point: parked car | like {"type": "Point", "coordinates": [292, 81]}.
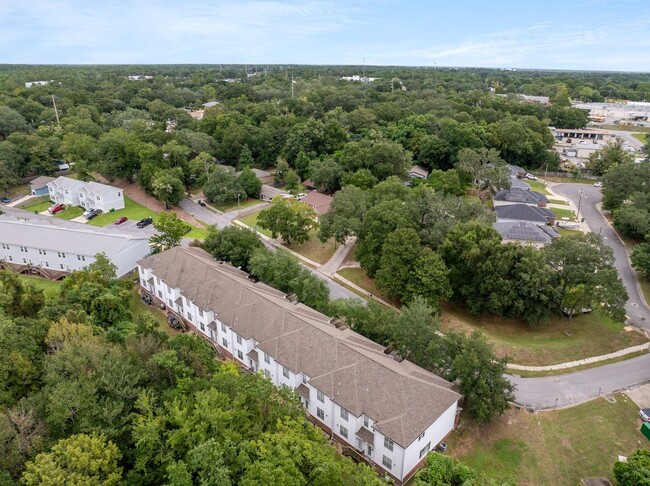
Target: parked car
{"type": "Point", "coordinates": [144, 222]}
{"type": "Point", "coordinates": [644, 413]}
{"type": "Point", "coordinates": [55, 208]}
{"type": "Point", "coordinates": [531, 177]}
{"type": "Point", "coordinates": [300, 196]}
{"type": "Point", "coordinates": [121, 220]}
{"type": "Point", "coordinates": [598, 184]}
{"type": "Point", "coordinates": [5, 200]}
{"type": "Point", "coordinates": [201, 203]}
{"type": "Point", "coordinates": [91, 213]}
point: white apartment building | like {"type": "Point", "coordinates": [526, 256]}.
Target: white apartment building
{"type": "Point", "coordinates": [391, 413]}
{"type": "Point", "coordinates": [53, 250]}
{"type": "Point", "coordinates": [89, 195]}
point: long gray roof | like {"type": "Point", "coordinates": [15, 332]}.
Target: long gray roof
{"type": "Point", "coordinates": [79, 239]}
{"type": "Point", "coordinates": [402, 398]}
{"type": "Point", "coordinates": [66, 182]}
{"type": "Point", "coordinates": [523, 231]}
{"type": "Point", "coordinates": [519, 195]}
{"type": "Point", "coordinates": [523, 212]}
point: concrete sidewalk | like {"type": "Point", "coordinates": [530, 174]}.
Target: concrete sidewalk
{"type": "Point", "coordinates": [581, 362]}
{"type": "Point", "coordinates": [15, 203]}
{"type": "Point", "coordinates": [332, 265]}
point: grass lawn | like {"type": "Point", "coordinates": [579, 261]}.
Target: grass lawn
{"type": "Point", "coordinates": [359, 277]}
{"type": "Point", "coordinates": [196, 234]}
{"type": "Point", "coordinates": [538, 186]}
{"type": "Point", "coordinates": [70, 212]}
{"type": "Point", "coordinates": [558, 448]}
{"type": "Point", "coordinates": [132, 210]}
{"type": "Point", "coordinates": [16, 191]}
{"type": "Point", "coordinates": [138, 307]}
{"type": "Point", "coordinates": [545, 343]}
{"type": "Point", "coordinates": [558, 201]}
{"type": "Point", "coordinates": [36, 205]}
{"type": "Point", "coordinates": [563, 213]}
{"type": "Point", "coordinates": [532, 374]}
{"type": "Point", "coordinates": [314, 249]}
{"type": "Point", "coordinates": [642, 137]}
{"type": "Point", "coordinates": [230, 206]}
{"type": "Point", "coordinates": [48, 286]}
{"type": "Point", "coordinates": [565, 232]}
{"type": "Point", "coordinates": [251, 221]}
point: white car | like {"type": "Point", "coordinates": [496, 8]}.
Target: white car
{"type": "Point", "coordinates": [532, 177]}
{"type": "Point", "coordinates": [644, 413]}
{"type": "Point", "coordinates": [598, 184]}
{"type": "Point", "coordinates": [300, 196]}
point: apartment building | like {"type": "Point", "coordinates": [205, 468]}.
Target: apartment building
{"type": "Point", "coordinates": [389, 413]}
{"type": "Point", "coordinates": [53, 251]}
{"type": "Point", "coordinates": [90, 195]}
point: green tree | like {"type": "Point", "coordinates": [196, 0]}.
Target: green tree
{"type": "Point", "coordinates": [561, 96]}
{"type": "Point", "coordinates": [223, 186]}
{"type": "Point", "coordinates": [399, 256]}
{"type": "Point", "coordinates": [624, 181]}
{"type": "Point", "coordinates": [232, 244]}
{"type": "Point", "coordinates": [245, 157]}
{"type": "Point", "coordinates": [414, 333]}
{"type": "Point", "coordinates": [302, 164]}
{"type": "Point", "coordinates": [78, 460]}
{"type": "Point", "coordinates": [170, 230]}
{"type": "Point", "coordinates": [345, 216]}
{"type": "Point", "coordinates": [428, 279]}
{"type": "Point", "coordinates": [10, 121]}
{"type": "Point", "coordinates": [326, 175]}
{"type": "Point", "coordinates": [487, 169]}
{"type": "Point", "coordinates": [168, 188]}
{"type": "Point", "coordinates": [641, 259]}
{"type": "Point", "coordinates": [362, 178]}
{"type": "Point", "coordinates": [612, 155]}
{"type": "Point", "coordinates": [632, 221]}
{"type": "Point", "coordinates": [635, 471]}
{"type": "Point", "coordinates": [281, 169]}
{"type": "Point", "coordinates": [288, 218]}
{"type": "Point", "coordinates": [292, 180]}
{"type": "Point", "coordinates": [249, 182]}
{"type": "Point", "coordinates": [447, 182]}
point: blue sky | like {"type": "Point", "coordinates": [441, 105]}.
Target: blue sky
{"type": "Point", "coordinates": [548, 34]}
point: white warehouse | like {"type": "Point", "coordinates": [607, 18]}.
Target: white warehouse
{"type": "Point", "coordinates": [390, 413]}
{"type": "Point", "coordinates": [54, 250]}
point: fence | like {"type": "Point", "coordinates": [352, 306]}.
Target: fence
{"type": "Point", "coordinates": [566, 175]}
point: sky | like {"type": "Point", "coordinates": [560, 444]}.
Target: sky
{"type": "Point", "coordinates": [543, 34]}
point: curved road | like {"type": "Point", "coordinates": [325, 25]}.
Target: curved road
{"type": "Point", "coordinates": [636, 307]}
{"type": "Point", "coordinates": [574, 388]}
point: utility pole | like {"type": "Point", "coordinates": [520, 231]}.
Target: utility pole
{"type": "Point", "coordinates": [56, 112]}
{"type": "Point", "coordinates": [579, 203]}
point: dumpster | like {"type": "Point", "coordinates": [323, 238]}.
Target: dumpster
{"type": "Point", "coordinates": [645, 430]}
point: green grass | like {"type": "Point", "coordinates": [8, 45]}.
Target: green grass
{"type": "Point", "coordinates": [138, 308]}
{"type": "Point", "coordinates": [36, 205]}
{"type": "Point", "coordinates": [566, 232]}
{"type": "Point", "coordinates": [645, 288]}
{"type": "Point", "coordinates": [538, 186]}
{"type": "Point", "coordinates": [50, 287]}
{"type": "Point", "coordinates": [251, 221]}
{"type": "Point", "coordinates": [531, 374]}
{"type": "Point", "coordinates": [559, 447]}
{"type": "Point", "coordinates": [231, 206]}
{"type": "Point", "coordinates": [558, 201]}
{"type": "Point", "coordinates": [132, 210]}
{"type": "Point", "coordinates": [563, 213]}
{"type": "Point", "coordinates": [642, 137]}
{"type": "Point", "coordinates": [196, 234]}
{"type": "Point", "coordinates": [16, 191]}
{"type": "Point", "coordinates": [546, 343]}
{"type": "Point", "coordinates": [70, 212]}
{"type": "Point", "coordinates": [314, 249]}
{"type": "Point", "coordinates": [358, 276]}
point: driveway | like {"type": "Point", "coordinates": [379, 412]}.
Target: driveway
{"type": "Point", "coordinates": [581, 386]}
{"type": "Point", "coordinates": [638, 312]}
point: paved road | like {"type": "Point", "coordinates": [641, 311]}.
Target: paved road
{"type": "Point", "coordinates": [581, 386]}
{"type": "Point", "coordinates": [634, 142]}
{"type": "Point", "coordinates": [337, 291]}
{"type": "Point", "coordinates": [635, 308]}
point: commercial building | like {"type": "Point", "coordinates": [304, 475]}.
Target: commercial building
{"type": "Point", "coordinates": [39, 247]}
{"type": "Point", "coordinates": [385, 412]}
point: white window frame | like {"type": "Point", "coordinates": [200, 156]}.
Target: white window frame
{"type": "Point", "coordinates": [388, 444]}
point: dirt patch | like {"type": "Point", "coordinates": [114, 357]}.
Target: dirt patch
{"type": "Point", "coordinates": [139, 195]}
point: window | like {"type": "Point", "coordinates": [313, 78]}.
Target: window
{"type": "Point", "coordinates": [425, 449]}
{"type": "Point", "coordinates": [240, 355]}
{"type": "Point", "coordinates": [421, 436]}
{"type": "Point", "coordinates": [344, 431]}
{"type": "Point", "coordinates": [11, 259]}
{"type": "Point", "coordinates": [344, 414]}
{"type": "Point", "coordinates": [388, 464]}
{"type": "Point", "coordinates": [24, 260]}
{"type": "Point", "coordinates": [225, 342]}
{"type": "Point", "coordinates": [159, 292]}
{"type": "Point", "coordinates": [171, 304]}
{"type": "Point", "coordinates": [201, 312]}
{"type": "Point", "coordinates": [189, 315]}
{"type": "Point", "coordinates": [238, 339]}
{"type": "Point", "coordinates": [285, 372]}
{"type": "Point", "coordinates": [388, 444]}
{"type": "Point", "coordinates": [267, 373]}
{"type": "Point", "coordinates": [223, 327]}
{"type": "Point", "coordinates": [266, 358]}
{"type": "Point", "coordinates": [202, 326]}
{"type": "Point", "coordinates": [320, 413]}
{"type": "Point", "coordinates": [320, 395]}
{"type": "Point", "coordinates": [47, 264]}
{"type": "Point", "coordinates": [81, 258]}
{"type": "Point", "coordinates": [366, 422]}
{"type": "Point", "coordinates": [61, 265]}
{"type": "Point", "coordinates": [370, 450]}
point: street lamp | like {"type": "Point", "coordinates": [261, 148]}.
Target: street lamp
{"type": "Point", "coordinates": [579, 203]}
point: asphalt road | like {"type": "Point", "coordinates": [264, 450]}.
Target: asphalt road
{"type": "Point", "coordinates": [581, 386]}
{"type": "Point", "coordinates": [638, 312]}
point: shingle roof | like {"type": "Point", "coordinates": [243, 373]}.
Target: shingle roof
{"type": "Point", "coordinates": [402, 398]}
{"type": "Point", "coordinates": [320, 202]}
{"type": "Point", "coordinates": [66, 182]}
{"type": "Point", "coordinates": [520, 196]}
{"type": "Point", "coordinates": [76, 239]}
{"type": "Point", "coordinates": [418, 170]}
{"type": "Point", "coordinates": [41, 181]}
{"type": "Point", "coordinates": [515, 169]}
{"type": "Point", "coordinates": [519, 184]}
{"type": "Point", "coordinates": [523, 212]}
{"type": "Point", "coordinates": [523, 231]}
{"type": "Point", "coordinates": [98, 188]}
